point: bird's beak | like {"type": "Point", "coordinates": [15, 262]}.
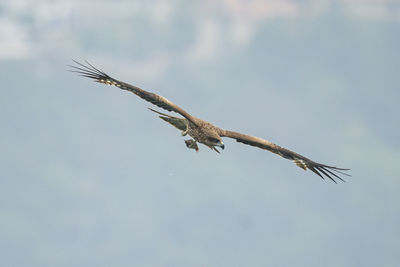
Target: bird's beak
{"type": "Point", "coordinates": [221, 145]}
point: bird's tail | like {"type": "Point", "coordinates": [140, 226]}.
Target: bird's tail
{"type": "Point", "coordinates": [178, 123]}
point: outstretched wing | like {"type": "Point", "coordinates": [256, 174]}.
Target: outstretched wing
{"type": "Point", "coordinates": [301, 161]}
{"type": "Point", "coordinates": [90, 71]}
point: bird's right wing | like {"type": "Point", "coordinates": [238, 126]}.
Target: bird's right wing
{"type": "Point", "coordinates": [92, 72]}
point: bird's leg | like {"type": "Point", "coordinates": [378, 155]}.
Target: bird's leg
{"type": "Point", "coordinates": [184, 133]}
{"type": "Point", "coordinates": [191, 144]}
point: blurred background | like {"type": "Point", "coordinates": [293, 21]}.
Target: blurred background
{"type": "Point", "coordinates": [91, 177]}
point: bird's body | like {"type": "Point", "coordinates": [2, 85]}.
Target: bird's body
{"type": "Point", "coordinates": [202, 131]}
{"type": "Point", "coordinates": [205, 133]}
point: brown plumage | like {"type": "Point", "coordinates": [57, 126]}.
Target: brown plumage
{"type": "Point", "coordinates": [204, 132]}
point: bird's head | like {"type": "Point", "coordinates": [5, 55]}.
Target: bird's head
{"type": "Point", "coordinates": [215, 140]}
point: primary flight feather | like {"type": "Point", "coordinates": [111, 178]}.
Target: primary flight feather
{"type": "Point", "coordinates": [202, 131]}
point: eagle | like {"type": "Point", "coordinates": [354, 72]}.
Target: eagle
{"type": "Point", "coordinates": [202, 131]}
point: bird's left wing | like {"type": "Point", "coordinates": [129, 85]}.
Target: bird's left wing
{"type": "Point", "coordinates": [92, 72]}
{"type": "Point", "coordinates": [301, 161]}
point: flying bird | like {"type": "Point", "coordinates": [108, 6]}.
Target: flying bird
{"type": "Point", "coordinates": [202, 131]}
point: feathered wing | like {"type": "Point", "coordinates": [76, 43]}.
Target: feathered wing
{"type": "Point", "coordinates": [90, 71]}
{"type": "Point", "coordinates": [301, 161]}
